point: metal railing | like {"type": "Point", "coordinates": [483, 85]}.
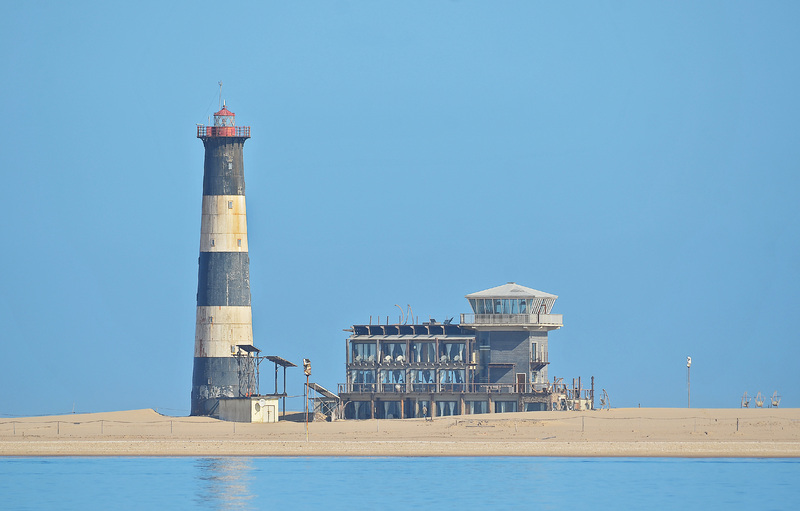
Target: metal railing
{"type": "Point", "coordinates": [443, 362]}
{"type": "Point", "coordinates": [223, 131]}
{"type": "Point", "coordinates": [539, 358]}
{"type": "Point", "coordinates": [512, 319]}
{"type": "Point", "coordinates": [472, 388]}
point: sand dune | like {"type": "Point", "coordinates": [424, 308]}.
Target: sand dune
{"type": "Point", "coordinates": [618, 432]}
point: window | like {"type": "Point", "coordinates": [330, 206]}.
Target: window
{"type": "Point", "coordinates": [388, 410]}
{"type": "Point", "coordinates": [212, 242]}
{"type": "Point", "coordinates": [393, 352]}
{"type": "Point", "coordinates": [423, 380]}
{"type": "Point", "coordinates": [505, 406]}
{"type": "Point", "coordinates": [362, 380]}
{"type": "Point", "coordinates": [239, 242]}
{"type": "Point", "coordinates": [423, 352]}
{"type": "Point", "coordinates": [362, 352]}
{"type": "Point", "coordinates": [452, 380]}
{"type": "Point", "coordinates": [502, 306]}
{"type": "Point", "coordinates": [445, 408]}
{"type": "Point", "coordinates": [451, 352]}
{"type": "Point", "coordinates": [393, 380]}
{"type": "Point", "coordinates": [477, 406]}
{"type": "Point", "coordinates": [357, 410]}
{"type": "Point", "coordinates": [535, 407]}
{"type": "Point", "coordinates": [230, 204]}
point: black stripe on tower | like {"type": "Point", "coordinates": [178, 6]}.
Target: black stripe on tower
{"type": "Point", "coordinates": [223, 173]}
{"type": "Point", "coordinates": [223, 375]}
{"type": "Point", "coordinates": [223, 279]}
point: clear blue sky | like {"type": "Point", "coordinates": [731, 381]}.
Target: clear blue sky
{"type": "Point", "coordinates": [638, 159]}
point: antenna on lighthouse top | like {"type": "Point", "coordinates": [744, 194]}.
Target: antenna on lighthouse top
{"type": "Point", "coordinates": [220, 95]}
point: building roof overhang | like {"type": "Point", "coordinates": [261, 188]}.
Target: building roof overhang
{"type": "Point", "coordinates": [418, 338]}
{"type": "Point", "coordinates": [511, 290]}
{"type": "Point", "coordinates": [280, 361]}
{"type": "Point", "coordinates": [322, 390]}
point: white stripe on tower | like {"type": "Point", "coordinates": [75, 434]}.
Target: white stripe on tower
{"type": "Point", "coordinates": [220, 329]}
{"type": "Point", "coordinates": [224, 224]}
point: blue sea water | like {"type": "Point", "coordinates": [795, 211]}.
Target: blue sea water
{"type": "Point", "coordinates": [398, 483]}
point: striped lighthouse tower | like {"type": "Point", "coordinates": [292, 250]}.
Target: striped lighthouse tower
{"type": "Point", "coordinates": [224, 320]}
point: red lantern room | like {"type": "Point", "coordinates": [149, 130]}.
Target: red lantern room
{"type": "Point", "coordinates": [224, 117]}
{"type": "Point", "coordinates": [224, 126]}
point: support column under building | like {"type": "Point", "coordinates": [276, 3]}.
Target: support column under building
{"type": "Point", "coordinates": [224, 319]}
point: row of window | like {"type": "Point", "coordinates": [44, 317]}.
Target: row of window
{"type": "Point", "coordinates": [422, 376]}
{"type": "Point", "coordinates": [238, 242]}
{"type": "Point", "coordinates": [422, 408]}
{"type": "Point", "coordinates": [419, 352]}
{"type": "Point", "coordinates": [507, 305]}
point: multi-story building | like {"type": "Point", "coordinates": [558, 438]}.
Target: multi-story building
{"type": "Point", "coordinates": [495, 360]}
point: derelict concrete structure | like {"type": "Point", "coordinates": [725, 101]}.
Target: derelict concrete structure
{"type": "Point", "coordinates": [225, 361]}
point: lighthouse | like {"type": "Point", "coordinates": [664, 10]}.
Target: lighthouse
{"type": "Point", "coordinates": [224, 327]}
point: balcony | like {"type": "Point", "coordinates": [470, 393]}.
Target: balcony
{"type": "Point", "coordinates": [539, 360]}
{"type": "Point", "coordinates": [222, 131]}
{"type": "Point", "coordinates": [543, 320]}
{"type": "Point", "coordinates": [436, 388]}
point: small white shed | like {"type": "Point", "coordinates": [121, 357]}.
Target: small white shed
{"type": "Point", "coordinates": [248, 409]}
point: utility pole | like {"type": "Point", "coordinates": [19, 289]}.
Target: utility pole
{"type": "Point", "coordinates": [307, 371]}
{"type": "Point", "coordinates": [688, 382]}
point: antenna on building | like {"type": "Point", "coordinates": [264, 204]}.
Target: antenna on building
{"type": "Point", "coordinates": [220, 95]}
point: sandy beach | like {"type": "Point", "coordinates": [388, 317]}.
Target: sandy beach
{"type": "Point", "coordinates": [670, 432]}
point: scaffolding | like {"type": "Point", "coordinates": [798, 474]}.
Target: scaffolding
{"type": "Point", "coordinates": [247, 362]}
{"type": "Point", "coordinates": [278, 361]}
